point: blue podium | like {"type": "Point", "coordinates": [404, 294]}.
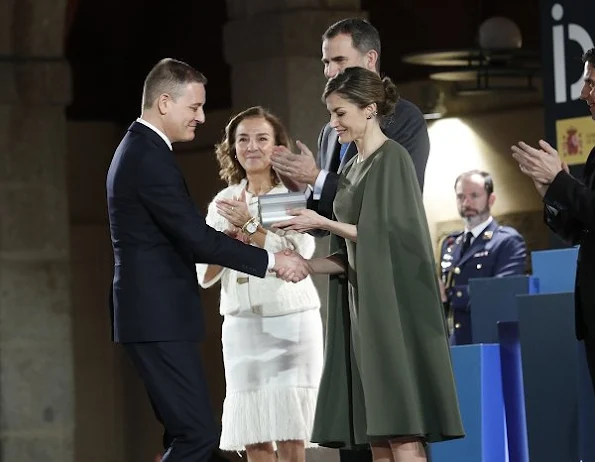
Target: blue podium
{"type": "Point", "coordinates": [513, 390]}
{"type": "Point", "coordinates": [494, 319]}
{"type": "Point", "coordinates": [493, 300]}
{"type": "Point", "coordinates": [524, 388]}
{"type": "Point", "coordinates": [559, 399]}
{"type": "Point", "coordinates": [556, 272]}
{"type": "Point", "coordinates": [586, 410]}
{"type": "Point", "coordinates": [550, 365]}
{"type": "Point", "coordinates": [479, 390]}
{"type": "Point", "coordinates": [555, 269]}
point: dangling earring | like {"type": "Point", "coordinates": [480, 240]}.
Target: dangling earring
{"type": "Point", "coordinates": [373, 114]}
{"type": "Point", "coordinates": [369, 116]}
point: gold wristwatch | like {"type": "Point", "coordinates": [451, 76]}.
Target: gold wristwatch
{"type": "Point", "coordinates": [250, 226]}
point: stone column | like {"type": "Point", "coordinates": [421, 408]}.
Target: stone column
{"type": "Point", "coordinates": [36, 364]}
{"type": "Point", "coordinates": [274, 50]}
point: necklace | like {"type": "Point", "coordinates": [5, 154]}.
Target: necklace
{"type": "Point", "coordinates": [262, 193]}
{"type": "Point", "coordinates": [254, 198]}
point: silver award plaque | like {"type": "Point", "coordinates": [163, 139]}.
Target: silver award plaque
{"type": "Point", "coordinates": [273, 208]}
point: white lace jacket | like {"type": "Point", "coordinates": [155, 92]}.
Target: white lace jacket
{"type": "Point", "coordinates": [268, 296]}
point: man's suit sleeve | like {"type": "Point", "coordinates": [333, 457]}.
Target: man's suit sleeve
{"type": "Point", "coordinates": [512, 256]}
{"type": "Point", "coordinates": [324, 205]}
{"type": "Point", "coordinates": [162, 191]}
{"type": "Point", "coordinates": [408, 127]}
{"type": "Point", "coordinates": [575, 204]}
{"type": "Point", "coordinates": [565, 226]}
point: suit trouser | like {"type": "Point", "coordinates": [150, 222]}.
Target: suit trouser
{"type": "Point", "coordinates": [590, 350]}
{"type": "Point", "coordinates": [173, 376]}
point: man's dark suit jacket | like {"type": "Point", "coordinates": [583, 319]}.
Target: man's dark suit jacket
{"type": "Point", "coordinates": [406, 126]}
{"type": "Point", "coordinates": [158, 235]}
{"type": "Point", "coordinates": [573, 220]}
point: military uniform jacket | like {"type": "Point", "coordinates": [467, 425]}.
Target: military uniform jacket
{"type": "Point", "coordinates": [498, 251]}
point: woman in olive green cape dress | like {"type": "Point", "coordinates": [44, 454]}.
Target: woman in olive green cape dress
{"type": "Point", "coordinates": [387, 378]}
{"type": "Point", "coordinates": [387, 368]}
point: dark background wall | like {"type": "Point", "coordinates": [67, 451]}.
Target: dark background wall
{"type": "Point", "coordinates": [112, 44]}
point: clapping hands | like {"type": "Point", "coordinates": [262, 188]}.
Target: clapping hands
{"type": "Point", "coordinates": [295, 170]}
{"type": "Point", "coordinates": [540, 164]}
{"type": "Point", "coordinates": [235, 210]}
{"type": "Point", "coordinates": [290, 266]}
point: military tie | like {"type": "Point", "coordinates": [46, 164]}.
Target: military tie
{"type": "Point", "coordinates": [466, 242]}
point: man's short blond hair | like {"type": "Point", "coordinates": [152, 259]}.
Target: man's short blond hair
{"type": "Point", "coordinates": [169, 76]}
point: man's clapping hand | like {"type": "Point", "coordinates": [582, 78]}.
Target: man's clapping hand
{"type": "Point", "coordinates": [295, 170]}
{"type": "Point", "coordinates": [290, 266]}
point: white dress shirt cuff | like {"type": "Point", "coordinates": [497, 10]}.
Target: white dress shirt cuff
{"type": "Point", "coordinates": [319, 184]}
{"type": "Point", "coordinates": [272, 262]}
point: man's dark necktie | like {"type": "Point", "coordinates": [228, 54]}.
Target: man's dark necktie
{"type": "Point", "coordinates": [466, 242]}
{"type": "Point", "coordinates": [343, 150]}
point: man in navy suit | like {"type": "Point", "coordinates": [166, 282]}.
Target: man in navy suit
{"type": "Point", "coordinates": [157, 236]}
{"type": "Point", "coordinates": [483, 249]}
{"type": "Point", "coordinates": [352, 42]}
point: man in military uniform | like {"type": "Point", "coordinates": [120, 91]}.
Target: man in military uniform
{"type": "Point", "coordinates": [483, 249]}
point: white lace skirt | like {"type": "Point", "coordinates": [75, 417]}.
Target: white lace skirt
{"type": "Point", "coordinates": [272, 372]}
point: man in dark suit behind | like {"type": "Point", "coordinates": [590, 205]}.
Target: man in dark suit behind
{"type": "Point", "coordinates": [349, 43]}
{"type": "Point", "coordinates": [157, 237]}
{"type": "Point", "coordinates": [570, 212]}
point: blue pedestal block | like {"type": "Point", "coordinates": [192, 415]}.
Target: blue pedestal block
{"type": "Point", "coordinates": [550, 378]}
{"type": "Point", "coordinates": [555, 269]}
{"type": "Point", "coordinates": [513, 391]}
{"type": "Point", "coordinates": [479, 389]}
{"type": "Point", "coordinates": [556, 272]}
{"type": "Point", "coordinates": [493, 300]}
{"type": "Point", "coordinates": [586, 409]}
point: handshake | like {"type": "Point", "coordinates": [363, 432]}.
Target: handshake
{"type": "Point", "coordinates": [290, 266]}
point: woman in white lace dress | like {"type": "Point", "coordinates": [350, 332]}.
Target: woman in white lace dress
{"type": "Point", "coordinates": [272, 330]}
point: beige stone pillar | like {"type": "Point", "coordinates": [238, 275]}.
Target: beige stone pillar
{"type": "Point", "coordinates": [36, 365]}
{"type": "Point", "coordinates": [274, 50]}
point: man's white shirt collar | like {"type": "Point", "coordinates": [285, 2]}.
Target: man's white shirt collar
{"type": "Point", "coordinates": [477, 230]}
{"type": "Point", "coordinates": [156, 130]}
